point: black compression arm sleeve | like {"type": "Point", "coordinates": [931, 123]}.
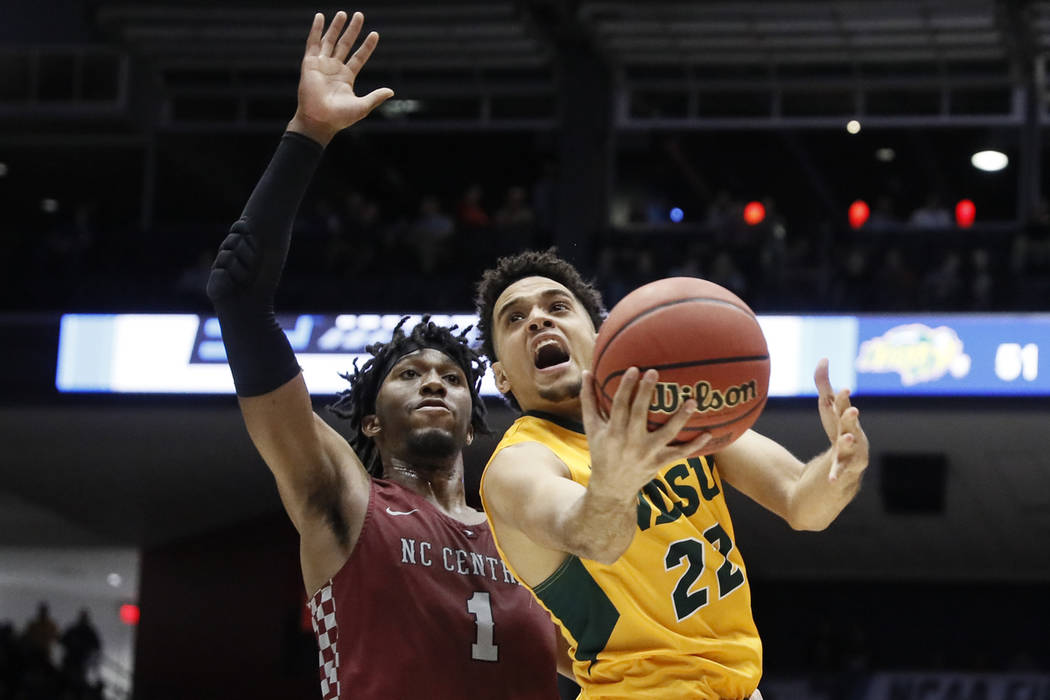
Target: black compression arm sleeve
{"type": "Point", "coordinates": [248, 267]}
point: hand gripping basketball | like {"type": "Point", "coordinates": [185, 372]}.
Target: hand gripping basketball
{"type": "Point", "coordinates": [707, 345]}
{"type": "Point", "coordinates": [625, 455]}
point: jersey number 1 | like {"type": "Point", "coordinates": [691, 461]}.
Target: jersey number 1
{"type": "Point", "coordinates": [480, 607]}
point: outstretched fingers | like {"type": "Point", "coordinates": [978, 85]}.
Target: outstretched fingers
{"type": "Point", "coordinates": [330, 37]}
{"type": "Point", "coordinates": [313, 41]}
{"type": "Point", "coordinates": [346, 41]}
{"type": "Point", "coordinates": [363, 53]}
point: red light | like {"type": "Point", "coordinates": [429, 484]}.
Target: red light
{"type": "Point", "coordinates": [965, 213]}
{"type": "Point", "coordinates": [129, 614]}
{"type": "Point", "coordinates": [754, 213]}
{"type": "Point", "coordinates": [858, 213]}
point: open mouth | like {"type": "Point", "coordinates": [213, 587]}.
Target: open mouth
{"type": "Point", "coordinates": [549, 354]}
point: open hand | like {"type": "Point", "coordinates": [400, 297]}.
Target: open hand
{"type": "Point", "coordinates": [841, 421]}
{"type": "Point", "coordinates": [327, 101]}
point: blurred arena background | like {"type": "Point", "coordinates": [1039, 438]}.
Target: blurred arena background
{"type": "Point", "coordinates": [815, 157]}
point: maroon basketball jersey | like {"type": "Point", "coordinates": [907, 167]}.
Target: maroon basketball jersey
{"type": "Point", "coordinates": [425, 608]}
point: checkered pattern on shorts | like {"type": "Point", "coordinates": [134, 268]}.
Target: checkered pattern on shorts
{"type": "Point", "coordinates": [322, 605]}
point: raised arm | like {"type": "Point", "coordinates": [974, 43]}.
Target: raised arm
{"type": "Point", "coordinates": [527, 486]}
{"type": "Point", "coordinates": [320, 480]}
{"type": "Point", "coordinates": [808, 496]}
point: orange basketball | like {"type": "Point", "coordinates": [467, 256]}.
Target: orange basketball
{"type": "Point", "coordinates": [705, 343]}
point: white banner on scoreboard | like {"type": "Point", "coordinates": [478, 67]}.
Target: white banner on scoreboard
{"type": "Point", "coordinates": [183, 353]}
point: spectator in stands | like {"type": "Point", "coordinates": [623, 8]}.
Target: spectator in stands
{"type": "Point", "coordinates": [895, 282]}
{"type": "Point", "coordinates": [430, 234]}
{"type": "Point", "coordinates": [724, 271]}
{"type": "Point", "coordinates": [81, 647]}
{"type": "Point", "coordinates": [943, 285]}
{"type": "Point", "coordinates": [475, 239]}
{"type": "Point", "coordinates": [470, 214]}
{"type": "Point", "coordinates": [40, 636]}
{"type": "Point", "coordinates": [10, 660]}
{"type": "Point", "coordinates": [883, 217]}
{"type": "Point", "coordinates": [982, 281]}
{"type": "Point", "coordinates": [722, 211]}
{"type": "Point", "coordinates": [931, 215]}
{"type": "Point", "coordinates": [515, 220]}
{"type": "Point", "coordinates": [689, 264]}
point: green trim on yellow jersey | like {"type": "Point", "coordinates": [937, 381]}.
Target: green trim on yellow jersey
{"type": "Point", "coordinates": [671, 618]}
{"type": "Point", "coordinates": [581, 606]}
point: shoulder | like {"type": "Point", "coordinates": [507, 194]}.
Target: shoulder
{"type": "Point", "coordinates": [537, 431]}
{"type": "Point", "coordinates": [531, 455]}
{"type": "Point", "coordinates": [518, 470]}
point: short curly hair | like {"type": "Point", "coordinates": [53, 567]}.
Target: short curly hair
{"type": "Point", "coordinates": [531, 263]}
{"type": "Point", "coordinates": [360, 399]}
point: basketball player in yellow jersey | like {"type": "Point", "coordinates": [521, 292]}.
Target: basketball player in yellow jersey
{"type": "Point", "coordinates": [626, 540]}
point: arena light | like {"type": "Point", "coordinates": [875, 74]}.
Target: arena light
{"type": "Point", "coordinates": [858, 213]}
{"type": "Point", "coordinates": [853, 126]}
{"type": "Point", "coordinates": [129, 614]}
{"type": "Point", "coordinates": [676, 214]}
{"type": "Point", "coordinates": [885, 155]}
{"type": "Point", "coordinates": [989, 161]}
{"type": "Point", "coordinates": [754, 213]}
{"type": "Point", "coordinates": [965, 213]}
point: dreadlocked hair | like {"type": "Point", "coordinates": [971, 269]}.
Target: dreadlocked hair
{"type": "Point", "coordinates": [359, 400]}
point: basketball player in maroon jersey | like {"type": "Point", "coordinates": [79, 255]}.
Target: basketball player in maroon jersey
{"type": "Point", "coordinates": [409, 596]}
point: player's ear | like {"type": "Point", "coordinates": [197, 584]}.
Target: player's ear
{"type": "Point", "coordinates": [370, 425]}
{"type": "Point", "coordinates": [470, 434]}
{"type": "Point", "coordinates": [502, 383]}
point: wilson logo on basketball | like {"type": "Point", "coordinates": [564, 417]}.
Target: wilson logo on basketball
{"type": "Point", "coordinates": [667, 396]}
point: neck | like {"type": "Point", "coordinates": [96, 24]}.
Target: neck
{"type": "Point", "coordinates": [440, 483]}
{"type": "Point", "coordinates": [569, 409]}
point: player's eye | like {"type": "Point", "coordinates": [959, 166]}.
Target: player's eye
{"type": "Point", "coordinates": [559, 306]}
{"type": "Point", "coordinates": [515, 316]}
{"type": "Point", "coordinates": [409, 374]}
{"type": "Point", "coordinates": [452, 378]}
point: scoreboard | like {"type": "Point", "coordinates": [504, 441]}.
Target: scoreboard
{"type": "Point", "coordinates": [887, 355]}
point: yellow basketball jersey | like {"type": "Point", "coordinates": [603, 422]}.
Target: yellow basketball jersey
{"type": "Point", "coordinates": [671, 618]}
